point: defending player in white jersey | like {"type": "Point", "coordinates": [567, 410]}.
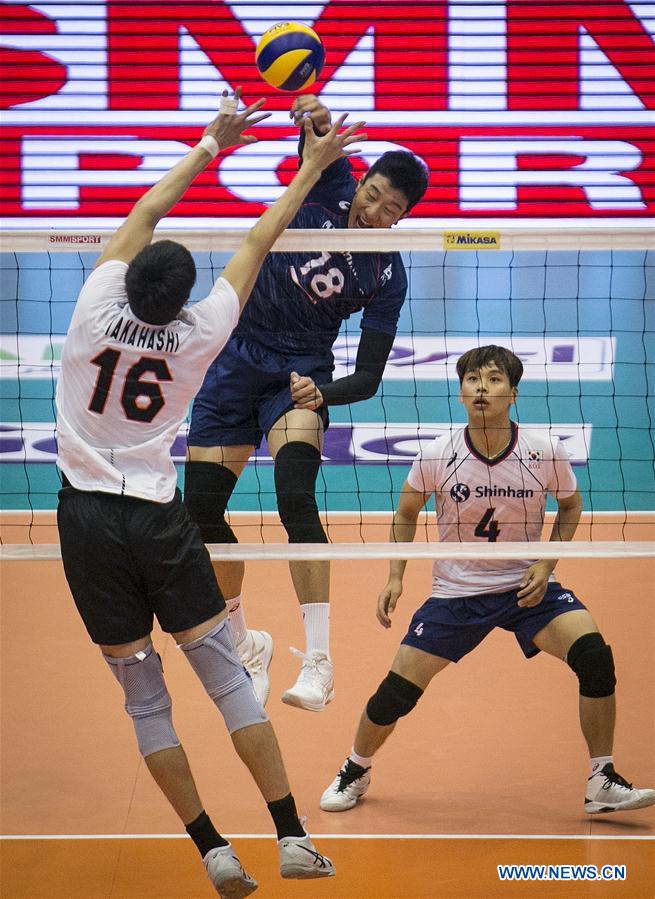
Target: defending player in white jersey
{"type": "Point", "coordinates": [132, 361]}
{"type": "Point", "coordinates": [490, 480]}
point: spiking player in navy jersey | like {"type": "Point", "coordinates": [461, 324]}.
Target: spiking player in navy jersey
{"type": "Point", "coordinates": [274, 378]}
{"type": "Point", "coordinates": [490, 480]}
{"type": "Point", "coordinates": [300, 300]}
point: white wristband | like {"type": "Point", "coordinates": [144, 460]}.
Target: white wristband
{"type": "Point", "coordinates": [228, 106]}
{"type": "Point", "coordinates": [210, 144]}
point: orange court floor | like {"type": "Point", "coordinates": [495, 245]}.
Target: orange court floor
{"type": "Point", "coordinates": [489, 769]}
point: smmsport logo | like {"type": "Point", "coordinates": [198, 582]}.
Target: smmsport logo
{"type": "Point", "coordinates": [460, 493]}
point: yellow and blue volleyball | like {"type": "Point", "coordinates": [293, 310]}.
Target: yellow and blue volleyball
{"type": "Point", "coordinates": [290, 56]}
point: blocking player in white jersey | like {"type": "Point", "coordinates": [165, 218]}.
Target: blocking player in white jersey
{"type": "Point", "coordinates": [490, 480]}
{"type": "Point", "coordinates": [133, 359]}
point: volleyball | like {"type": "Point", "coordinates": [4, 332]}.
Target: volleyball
{"type": "Point", "coordinates": [290, 56]}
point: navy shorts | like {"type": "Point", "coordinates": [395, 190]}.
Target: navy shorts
{"type": "Point", "coordinates": [451, 628]}
{"type": "Point", "coordinates": [246, 390]}
{"type": "Point", "coordinates": [127, 560]}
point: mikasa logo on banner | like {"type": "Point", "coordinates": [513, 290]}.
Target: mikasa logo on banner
{"type": "Point", "coordinates": [471, 240]}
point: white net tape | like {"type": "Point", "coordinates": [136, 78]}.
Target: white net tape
{"type": "Point", "coordinates": [566, 234]}
{"type": "Point", "coordinates": [581, 549]}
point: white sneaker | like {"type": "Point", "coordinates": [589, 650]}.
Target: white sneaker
{"type": "Point", "coordinates": [256, 652]}
{"type": "Point", "coordinates": [300, 860]}
{"type": "Point", "coordinates": [607, 791]}
{"type": "Point", "coordinates": [315, 685]}
{"type": "Point", "coordinates": [225, 872]}
{"type": "Point", "coordinates": [347, 788]}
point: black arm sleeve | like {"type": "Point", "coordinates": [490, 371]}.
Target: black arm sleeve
{"type": "Point", "coordinates": [372, 354]}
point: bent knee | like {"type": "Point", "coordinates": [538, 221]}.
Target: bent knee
{"type": "Point", "coordinates": [393, 699]}
{"type": "Point", "coordinates": [593, 663]}
{"type": "Point", "coordinates": [147, 700]}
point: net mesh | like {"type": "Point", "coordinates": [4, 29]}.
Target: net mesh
{"type": "Point", "coordinates": [575, 306]}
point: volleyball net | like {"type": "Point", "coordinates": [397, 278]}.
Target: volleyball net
{"type": "Point", "coordinates": [576, 306]}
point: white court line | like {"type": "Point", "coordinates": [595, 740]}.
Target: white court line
{"type": "Point", "coordinates": [329, 836]}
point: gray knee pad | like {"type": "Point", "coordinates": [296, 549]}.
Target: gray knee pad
{"type": "Point", "coordinates": [215, 661]}
{"type": "Point", "coordinates": [394, 698]}
{"type": "Point", "coordinates": [147, 700]}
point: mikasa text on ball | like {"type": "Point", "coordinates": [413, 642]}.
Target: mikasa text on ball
{"type": "Point", "coordinates": [290, 56]}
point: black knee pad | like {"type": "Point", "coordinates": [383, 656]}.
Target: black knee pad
{"type": "Point", "coordinates": [591, 659]}
{"type": "Point", "coordinates": [395, 697]}
{"type": "Point", "coordinates": [207, 488]}
{"type": "Point", "coordinates": [296, 469]}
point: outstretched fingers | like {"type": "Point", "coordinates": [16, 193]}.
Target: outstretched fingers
{"type": "Point", "coordinates": [250, 115]}
{"type": "Point", "coordinates": [352, 138]}
{"type": "Point", "coordinates": [349, 135]}
{"type": "Point", "coordinates": [338, 122]}
{"type": "Point", "coordinates": [249, 111]}
{"type": "Point", "coordinates": [255, 120]}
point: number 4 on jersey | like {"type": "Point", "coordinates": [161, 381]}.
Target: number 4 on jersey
{"type": "Point", "coordinates": [487, 527]}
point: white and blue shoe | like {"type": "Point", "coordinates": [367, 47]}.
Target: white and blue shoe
{"type": "Point", "coordinates": [300, 860]}
{"type": "Point", "coordinates": [226, 874]}
{"type": "Point", "coordinates": [607, 791]}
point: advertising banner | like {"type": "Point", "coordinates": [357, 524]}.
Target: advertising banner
{"type": "Point", "coordinates": [520, 109]}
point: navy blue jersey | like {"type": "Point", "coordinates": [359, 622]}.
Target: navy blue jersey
{"type": "Point", "coordinates": [300, 299]}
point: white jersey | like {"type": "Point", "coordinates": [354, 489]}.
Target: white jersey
{"type": "Point", "coordinates": [125, 386]}
{"type": "Point", "coordinates": [503, 499]}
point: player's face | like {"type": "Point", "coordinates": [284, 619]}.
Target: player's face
{"type": "Point", "coordinates": [376, 204]}
{"type": "Point", "coordinates": [486, 394]}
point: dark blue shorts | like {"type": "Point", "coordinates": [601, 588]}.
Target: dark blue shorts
{"type": "Point", "coordinates": [451, 628]}
{"type": "Point", "coordinates": [246, 390]}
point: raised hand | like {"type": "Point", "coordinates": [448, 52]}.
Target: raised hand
{"type": "Point", "coordinates": [323, 151]}
{"type": "Point", "coordinates": [307, 105]}
{"type": "Point", "coordinates": [227, 129]}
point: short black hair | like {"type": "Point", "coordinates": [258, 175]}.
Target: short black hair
{"type": "Point", "coordinates": [159, 280]}
{"type": "Point", "coordinates": [483, 356]}
{"type": "Point", "coordinates": [406, 172]}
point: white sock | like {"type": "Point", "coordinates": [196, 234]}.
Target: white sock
{"type": "Point", "coordinates": [316, 621]}
{"type": "Point", "coordinates": [237, 621]}
{"type": "Point", "coordinates": [597, 764]}
{"type": "Point", "coordinates": [361, 760]}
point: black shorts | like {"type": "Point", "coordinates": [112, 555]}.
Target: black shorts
{"type": "Point", "coordinates": [127, 560]}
